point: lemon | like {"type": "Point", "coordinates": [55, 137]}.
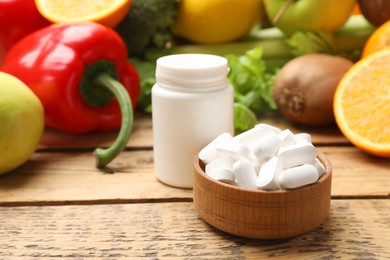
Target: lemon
{"type": "Point", "coordinates": [215, 21]}
{"type": "Point", "coordinates": [105, 12]}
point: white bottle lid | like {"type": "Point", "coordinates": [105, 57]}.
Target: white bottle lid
{"type": "Point", "coordinates": [192, 72]}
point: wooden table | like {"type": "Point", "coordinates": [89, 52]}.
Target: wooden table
{"type": "Point", "coordinates": [59, 205]}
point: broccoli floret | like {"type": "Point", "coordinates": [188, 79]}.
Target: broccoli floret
{"type": "Point", "coordinates": [147, 25]}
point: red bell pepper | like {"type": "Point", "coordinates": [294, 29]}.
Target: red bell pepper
{"type": "Point", "coordinates": [71, 67]}
{"type": "Point", "coordinates": [18, 18]}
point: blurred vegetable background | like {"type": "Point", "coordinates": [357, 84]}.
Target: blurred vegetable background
{"type": "Point", "coordinates": [255, 53]}
{"type": "Point", "coordinates": [258, 38]}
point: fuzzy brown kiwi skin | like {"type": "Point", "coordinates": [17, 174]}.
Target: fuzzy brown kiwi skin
{"type": "Point", "coordinates": [305, 86]}
{"type": "Point", "coordinates": [376, 12]}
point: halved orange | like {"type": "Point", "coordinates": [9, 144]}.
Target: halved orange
{"type": "Point", "coordinates": [378, 40]}
{"type": "Point", "coordinates": [362, 104]}
{"type": "Point", "coordinates": [105, 12]}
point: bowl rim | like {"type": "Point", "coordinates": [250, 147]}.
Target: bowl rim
{"type": "Point", "coordinates": [320, 155]}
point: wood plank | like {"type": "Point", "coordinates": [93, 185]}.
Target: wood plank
{"type": "Point", "coordinates": [354, 229]}
{"type": "Point", "coordinates": [142, 135]}
{"type": "Point", "coordinates": [49, 178]}
{"type": "Point", "coordinates": [320, 135]}
{"type": "Point", "coordinates": [60, 178]}
{"type": "Point", "coordinates": [356, 173]}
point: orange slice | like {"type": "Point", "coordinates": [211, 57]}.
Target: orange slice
{"type": "Point", "coordinates": [378, 40]}
{"type": "Point", "coordinates": [105, 12]}
{"type": "Point", "coordinates": [362, 104]}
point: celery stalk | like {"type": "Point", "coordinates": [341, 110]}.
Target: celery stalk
{"type": "Point", "coordinates": [354, 34]}
{"type": "Point", "coordinates": [350, 38]}
{"type": "Point", "coordinates": [273, 47]}
{"type": "Point", "coordinates": [276, 50]}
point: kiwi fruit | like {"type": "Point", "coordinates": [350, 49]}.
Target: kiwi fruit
{"type": "Point", "coordinates": [305, 86]}
{"type": "Point", "coordinates": [376, 12]}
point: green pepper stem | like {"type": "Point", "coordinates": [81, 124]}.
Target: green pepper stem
{"type": "Point", "coordinates": [104, 156]}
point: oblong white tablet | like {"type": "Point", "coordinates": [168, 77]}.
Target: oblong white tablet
{"type": "Point", "coordinates": [208, 153]}
{"type": "Point", "coordinates": [267, 146]}
{"type": "Point", "coordinates": [303, 137]}
{"type": "Point", "coordinates": [298, 176]}
{"type": "Point", "coordinates": [271, 128]}
{"type": "Point", "coordinates": [320, 167]}
{"type": "Point", "coordinates": [269, 171]}
{"type": "Point", "coordinates": [287, 137]}
{"type": "Point", "coordinates": [251, 136]}
{"type": "Point", "coordinates": [245, 174]}
{"type": "Point", "coordinates": [297, 154]}
{"type": "Point", "coordinates": [223, 175]}
{"type": "Point", "coordinates": [234, 150]}
{"type": "Point", "coordinates": [222, 162]}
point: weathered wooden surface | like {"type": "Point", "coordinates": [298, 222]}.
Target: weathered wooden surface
{"type": "Point", "coordinates": [59, 205]}
{"type": "Point", "coordinates": [354, 229]}
{"type": "Point", "coordinates": [142, 135]}
{"type": "Point", "coordinates": [58, 177]}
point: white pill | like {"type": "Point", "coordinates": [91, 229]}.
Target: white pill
{"type": "Point", "coordinates": [267, 146]}
{"type": "Point", "coordinates": [223, 175]}
{"type": "Point", "coordinates": [234, 150]}
{"type": "Point", "coordinates": [222, 162]}
{"type": "Point", "coordinates": [269, 172]}
{"type": "Point", "coordinates": [256, 164]}
{"type": "Point", "coordinates": [209, 152]}
{"type": "Point", "coordinates": [259, 153]}
{"type": "Point", "coordinates": [251, 136]}
{"type": "Point", "coordinates": [297, 154]}
{"type": "Point", "coordinates": [287, 137]}
{"type": "Point", "coordinates": [270, 128]}
{"type": "Point", "coordinates": [245, 174]}
{"type": "Point", "coordinates": [303, 137]}
{"type": "Point", "coordinates": [320, 167]}
{"type": "Point", "coordinates": [298, 176]}
{"type": "Point", "coordinates": [270, 143]}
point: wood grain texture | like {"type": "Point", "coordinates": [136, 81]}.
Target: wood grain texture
{"type": "Point", "coordinates": [262, 214]}
{"type": "Point", "coordinates": [354, 229]}
{"type": "Point", "coordinates": [58, 205]}
{"type": "Point", "coordinates": [60, 178]}
{"type": "Point", "coordinates": [356, 173]}
{"type": "Point", "coordinates": [142, 136]}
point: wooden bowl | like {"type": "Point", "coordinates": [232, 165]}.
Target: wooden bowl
{"type": "Point", "coordinates": [262, 214]}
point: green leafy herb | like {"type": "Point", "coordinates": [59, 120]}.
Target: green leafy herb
{"type": "Point", "coordinates": [244, 118]}
{"type": "Point", "coordinates": [146, 70]}
{"type": "Point", "coordinates": [306, 42]}
{"type": "Point", "coordinates": [252, 82]}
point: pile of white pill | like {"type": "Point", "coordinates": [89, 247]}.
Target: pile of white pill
{"type": "Point", "coordinates": [264, 157]}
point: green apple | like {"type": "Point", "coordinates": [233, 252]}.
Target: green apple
{"type": "Point", "coordinates": [21, 122]}
{"type": "Point", "coordinates": [314, 15]}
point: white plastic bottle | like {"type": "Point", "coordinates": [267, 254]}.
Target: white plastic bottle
{"type": "Point", "coordinates": [192, 103]}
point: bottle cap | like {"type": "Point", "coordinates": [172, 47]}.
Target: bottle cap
{"type": "Point", "coordinates": [192, 72]}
